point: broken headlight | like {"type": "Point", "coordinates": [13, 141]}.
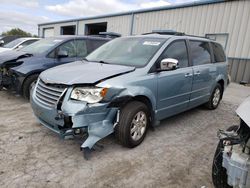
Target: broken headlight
{"type": "Point", "coordinates": [89, 94]}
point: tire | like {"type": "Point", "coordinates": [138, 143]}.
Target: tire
{"type": "Point", "coordinates": [131, 131]}
{"type": "Point", "coordinates": [219, 173]}
{"type": "Point", "coordinates": [215, 97]}
{"type": "Point", "coordinates": [28, 84]}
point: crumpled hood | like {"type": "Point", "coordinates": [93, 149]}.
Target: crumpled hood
{"type": "Point", "coordinates": [244, 111]}
{"type": "Point", "coordinates": [12, 55]}
{"type": "Point", "coordinates": [82, 73]}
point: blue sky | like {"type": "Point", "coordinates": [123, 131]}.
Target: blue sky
{"type": "Point", "coordinates": [26, 14]}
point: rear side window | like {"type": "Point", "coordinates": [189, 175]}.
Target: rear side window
{"type": "Point", "coordinates": [94, 44]}
{"type": "Point", "coordinates": [200, 52]}
{"type": "Point", "coordinates": [177, 50]}
{"type": "Point", "coordinates": [26, 43]}
{"type": "Point", "coordinates": [81, 48]}
{"type": "Point", "coordinates": [219, 55]}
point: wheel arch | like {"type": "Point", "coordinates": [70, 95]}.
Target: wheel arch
{"type": "Point", "coordinates": [144, 99]}
{"type": "Point", "coordinates": [222, 83]}
{"type": "Point", "coordinates": [27, 76]}
{"type": "Point", "coordinates": [122, 101]}
{"type": "Point", "coordinates": [220, 79]}
{"type": "Point", "coordinates": [31, 74]}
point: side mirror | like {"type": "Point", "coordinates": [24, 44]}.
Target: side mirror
{"type": "Point", "coordinates": [19, 47]}
{"type": "Point", "coordinates": [169, 64]}
{"type": "Point", "coordinates": [62, 54]}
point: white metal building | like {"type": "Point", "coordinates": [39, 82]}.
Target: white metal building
{"type": "Point", "coordinates": [226, 21]}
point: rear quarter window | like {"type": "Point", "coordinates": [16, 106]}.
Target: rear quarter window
{"type": "Point", "coordinates": [94, 44]}
{"type": "Point", "coordinates": [219, 54]}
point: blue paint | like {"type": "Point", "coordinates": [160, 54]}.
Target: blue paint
{"type": "Point", "coordinates": [23, 64]}
{"type": "Point", "coordinates": [168, 92]}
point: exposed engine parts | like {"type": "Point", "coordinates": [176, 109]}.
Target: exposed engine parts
{"type": "Point", "coordinates": [236, 155]}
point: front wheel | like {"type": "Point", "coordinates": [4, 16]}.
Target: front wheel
{"type": "Point", "coordinates": [28, 84]}
{"type": "Point", "coordinates": [215, 97]}
{"type": "Point", "coordinates": [132, 127]}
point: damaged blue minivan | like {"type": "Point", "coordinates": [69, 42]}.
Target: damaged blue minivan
{"type": "Point", "coordinates": [19, 69]}
{"type": "Point", "coordinates": [130, 84]}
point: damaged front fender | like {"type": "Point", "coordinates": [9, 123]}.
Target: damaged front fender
{"type": "Point", "coordinates": [97, 119]}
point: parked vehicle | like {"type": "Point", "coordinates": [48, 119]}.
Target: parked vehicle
{"type": "Point", "coordinates": [129, 84]}
{"type": "Point", "coordinates": [6, 39]}
{"type": "Point", "coordinates": [18, 44]}
{"type": "Point", "coordinates": [19, 70]}
{"type": "Point", "coordinates": [231, 165]}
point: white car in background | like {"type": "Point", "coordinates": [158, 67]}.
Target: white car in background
{"type": "Point", "coordinates": [18, 44]}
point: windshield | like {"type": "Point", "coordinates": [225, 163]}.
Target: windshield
{"type": "Point", "coordinates": [13, 43]}
{"type": "Point", "coordinates": [41, 46]}
{"type": "Point", "coordinates": [136, 52]}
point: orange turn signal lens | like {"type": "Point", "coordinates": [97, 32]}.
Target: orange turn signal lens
{"type": "Point", "coordinates": [104, 92]}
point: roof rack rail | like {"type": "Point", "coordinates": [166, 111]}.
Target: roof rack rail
{"type": "Point", "coordinates": [172, 32]}
{"type": "Point", "coordinates": [197, 36]}
{"type": "Point", "coordinates": [165, 32]}
{"type": "Point", "coordinates": [110, 34]}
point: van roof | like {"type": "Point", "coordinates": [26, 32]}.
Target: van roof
{"type": "Point", "coordinates": [172, 33]}
{"type": "Point", "coordinates": [66, 37]}
{"type": "Point", "coordinates": [154, 35]}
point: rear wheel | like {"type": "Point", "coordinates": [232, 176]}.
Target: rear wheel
{"type": "Point", "coordinates": [28, 84]}
{"type": "Point", "coordinates": [219, 173]}
{"type": "Point", "coordinates": [133, 124]}
{"type": "Point", "coordinates": [215, 98]}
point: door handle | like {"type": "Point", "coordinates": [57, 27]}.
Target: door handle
{"type": "Point", "coordinates": [197, 73]}
{"type": "Point", "coordinates": [188, 75]}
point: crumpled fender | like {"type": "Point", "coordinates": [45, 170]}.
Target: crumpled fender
{"type": "Point", "coordinates": [133, 91]}
{"type": "Point", "coordinates": [133, 85]}
{"type": "Point", "coordinates": [27, 69]}
{"type": "Point", "coordinates": [96, 117]}
{"type": "Point", "coordinates": [33, 64]}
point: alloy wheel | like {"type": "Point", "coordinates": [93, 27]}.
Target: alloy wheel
{"type": "Point", "coordinates": [216, 97]}
{"type": "Point", "coordinates": [138, 126]}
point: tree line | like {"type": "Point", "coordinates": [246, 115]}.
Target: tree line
{"type": "Point", "coordinates": [17, 32]}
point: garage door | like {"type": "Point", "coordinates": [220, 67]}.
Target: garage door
{"type": "Point", "coordinates": [48, 32]}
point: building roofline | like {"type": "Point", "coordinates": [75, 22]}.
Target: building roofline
{"type": "Point", "coordinates": [168, 7]}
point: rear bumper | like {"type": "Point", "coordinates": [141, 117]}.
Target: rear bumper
{"type": "Point", "coordinates": [96, 119]}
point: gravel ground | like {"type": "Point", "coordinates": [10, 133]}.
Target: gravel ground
{"type": "Point", "coordinates": [178, 153]}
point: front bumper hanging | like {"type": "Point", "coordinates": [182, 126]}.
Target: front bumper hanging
{"type": "Point", "coordinates": [96, 120]}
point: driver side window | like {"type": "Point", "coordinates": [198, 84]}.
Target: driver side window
{"type": "Point", "coordinates": [177, 50]}
{"type": "Point", "coordinates": [69, 47]}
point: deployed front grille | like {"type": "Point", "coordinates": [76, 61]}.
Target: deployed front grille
{"type": "Point", "coordinates": [48, 94]}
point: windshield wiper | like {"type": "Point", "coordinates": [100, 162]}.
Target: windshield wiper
{"type": "Point", "coordinates": [84, 59]}
{"type": "Point", "coordinates": [103, 62]}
